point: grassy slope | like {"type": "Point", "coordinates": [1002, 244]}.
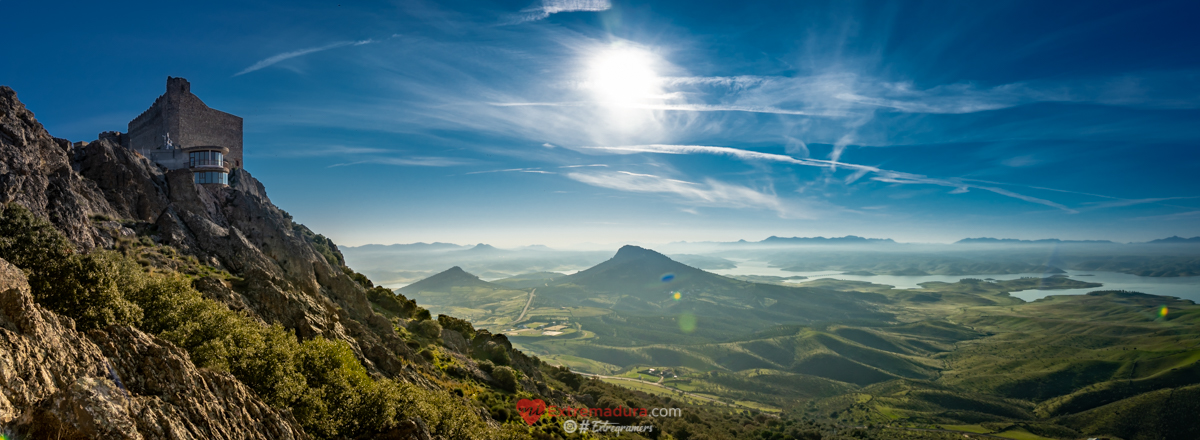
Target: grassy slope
{"type": "Point", "coordinates": [964, 353]}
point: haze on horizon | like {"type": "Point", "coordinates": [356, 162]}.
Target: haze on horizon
{"type": "Point", "coordinates": [560, 122]}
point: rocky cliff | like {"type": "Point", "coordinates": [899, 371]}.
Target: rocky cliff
{"type": "Point", "coordinates": [98, 192]}
{"type": "Point", "coordinates": [235, 228]}
{"type": "Point", "coordinates": [121, 383]}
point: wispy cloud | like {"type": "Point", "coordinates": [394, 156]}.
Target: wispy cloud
{"type": "Point", "coordinates": [878, 174]}
{"type": "Point", "coordinates": [331, 150]}
{"type": "Point", "coordinates": [710, 193]}
{"type": "Point", "coordinates": [679, 107]}
{"type": "Point", "coordinates": [514, 170]}
{"type": "Point", "coordinates": [410, 161]}
{"type": "Point", "coordinates": [549, 7]}
{"type": "Point", "coordinates": [1131, 202]}
{"type": "Point", "coordinates": [267, 62]}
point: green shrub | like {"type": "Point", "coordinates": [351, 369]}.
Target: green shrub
{"type": "Point", "coordinates": [86, 288]}
{"type": "Point", "coordinates": [458, 325]}
{"type": "Point", "coordinates": [487, 366]}
{"type": "Point", "coordinates": [422, 314]}
{"type": "Point", "coordinates": [29, 242]}
{"type": "Point", "coordinates": [493, 352]}
{"type": "Point", "coordinates": [426, 329]}
{"type": "Point", "coordinates": [391, 301]}
{"type": "Point", "coordinates": [506, 378]}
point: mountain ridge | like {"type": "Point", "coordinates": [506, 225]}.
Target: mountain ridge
{"type": "Point", "coordinates": [988, 240]}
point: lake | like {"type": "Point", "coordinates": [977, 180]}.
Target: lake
{"type": "Point", "coordinates": [1181, 287]}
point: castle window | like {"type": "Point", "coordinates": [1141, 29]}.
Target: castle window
{"type": "Point", "coordinates": [205, 158]}
{"type": "Point", "coordinates": [211, 177]}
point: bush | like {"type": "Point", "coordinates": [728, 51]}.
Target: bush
{"type": "Point", "coordinates": [506, 378]}
{"type": "Point", "coordinates": [391, 301]}
{"type": "Point", "coordinates": [493, 352]}
{"type": "Point", "coordinates": [422, 314]}
{"type": "Point", "coordinates": [29, 242]}
{"type": "Point", "coordinates": [458, 325]}
{"type": "Point", "coordinates": [487, 366]}
{"type": "Point", "coordinates": [86, 288]}
{"type": "Point", "coordinates": [426, 329]}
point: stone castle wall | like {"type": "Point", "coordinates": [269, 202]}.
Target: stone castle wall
{"type": "Point", "coordinates": [147, 130]}
{"type": "Point", "coordinates": [190, 122]}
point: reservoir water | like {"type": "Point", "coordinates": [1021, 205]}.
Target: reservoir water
{"type": "Point", "coordinates": [1181, 287]}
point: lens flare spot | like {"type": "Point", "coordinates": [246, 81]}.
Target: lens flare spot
{"type": "Point", "coordinates": [677, 296]}
{"type": "Point", "coordinates": [687, 322]}
{"type": "Point", "coordinates": [666, 278]}
{"type": "Point", "coordinates": [1163, 312]}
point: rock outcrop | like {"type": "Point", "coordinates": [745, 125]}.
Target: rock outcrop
{"type": "Point", "coordinates": [36, 171]}
{"type": "Point", "coordinates": [118, 383]}
{"type": "Point", "coordinates": [235, 228]}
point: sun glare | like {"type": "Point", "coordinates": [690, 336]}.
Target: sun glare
{"type": "Point", "coordinates": [623, 76]}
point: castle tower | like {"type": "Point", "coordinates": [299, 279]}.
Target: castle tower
{"type": "Point", "coordinates": [179, 131]}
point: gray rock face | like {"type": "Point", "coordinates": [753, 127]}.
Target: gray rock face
{"type": "Point", "coordinates": [35, 171]}
{"type": "Point", "coordinates": [118, 383]}
{"type": "Point", "coordinates": [234, 228]}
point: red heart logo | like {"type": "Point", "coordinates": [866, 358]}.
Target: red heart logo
{"type": "Point", "coordinates": [531, 410]}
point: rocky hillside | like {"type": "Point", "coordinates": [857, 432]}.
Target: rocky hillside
{"type": "Point", "coordinates": [121, 383]}
{"type": "Point", "coordinates": [98, 194]}
{"type": "Point", "coordinates": [235, 228]}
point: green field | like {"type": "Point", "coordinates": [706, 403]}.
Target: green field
{"type": "Point", "coordinates": [966, 356]}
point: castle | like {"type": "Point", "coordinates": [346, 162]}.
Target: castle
{"type": "Point", "coordinates": [179, 132]}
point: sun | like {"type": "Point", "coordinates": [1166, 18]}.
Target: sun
{"type": "Point", "coordinates": [623, 76]}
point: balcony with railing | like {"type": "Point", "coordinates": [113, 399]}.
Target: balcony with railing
{"type": "Point", "coordinates": [208, 164]}
{"type": "Point", "coordinates": [207, 157]}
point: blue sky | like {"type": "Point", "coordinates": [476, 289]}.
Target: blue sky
{"type": "Point", "coordinates": [567, 121]}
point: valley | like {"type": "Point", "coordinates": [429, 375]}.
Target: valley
{"type": "Point", "coordinates": [959, 356]}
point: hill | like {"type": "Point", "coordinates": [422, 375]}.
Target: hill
{"type": "Point", "coordinates": [641, 282]}
{"type": "Point", "coordinates": [447, 279]}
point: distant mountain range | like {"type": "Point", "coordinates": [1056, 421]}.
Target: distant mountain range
{"type": "Point", "coordinates": [435, 246]}
{"type": "Point", "coordinates": [1175, 239]}
{"type": "Point", "coordinates": [482, 248]}
{"type": "Point", "coordinates": [989, 240]}
{"type": "Point", "coordinates": [849, 239]}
